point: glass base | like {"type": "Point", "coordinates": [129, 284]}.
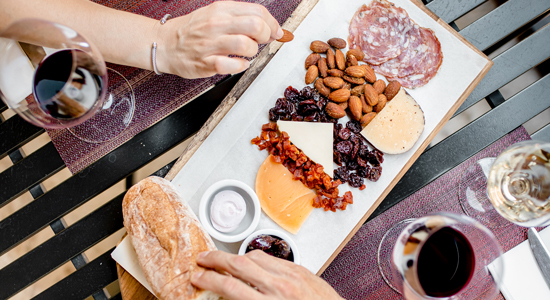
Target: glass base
{"type": "Point", "coordinates": [385, 252]}
{"type": "Point", "coordinates": [473, 198]}
{"type": "Point", "coordinates": [115, 116]}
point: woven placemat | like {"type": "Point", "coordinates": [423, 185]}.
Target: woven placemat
{"type": "Point", "coordinates": [156, 96]}
{"type": "Point", "coordinates": [354, 272]}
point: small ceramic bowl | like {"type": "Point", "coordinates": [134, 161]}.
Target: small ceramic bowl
{"type": "Point", "coordinates": [251, 218]}
{"type": "Point", "coordinates": [275, 233]}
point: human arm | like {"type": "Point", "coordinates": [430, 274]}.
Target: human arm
{"type": "Point", "coordinates": [191, 46]}
{"type": "Point", "coordinates": [273, 278]}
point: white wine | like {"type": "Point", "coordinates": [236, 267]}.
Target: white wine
{"type": "Point", "coordinates": [519, 184]}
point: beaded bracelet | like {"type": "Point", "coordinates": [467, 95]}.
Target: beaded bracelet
{"type": "Point", "coordinates": [154, 48]}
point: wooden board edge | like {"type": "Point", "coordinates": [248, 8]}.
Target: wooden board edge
{"type": "Point", "coordinates": [256, 67]}
{"type": "Point", "coordinates": [409, 163]}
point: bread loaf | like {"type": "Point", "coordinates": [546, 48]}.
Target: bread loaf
{"type": "Point", "coordinates": [167, 237]}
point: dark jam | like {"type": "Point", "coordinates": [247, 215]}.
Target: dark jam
{"type": "Point", "coordinates": [271, 245]}
{"type": "Point", "coordinates": [446, 263]}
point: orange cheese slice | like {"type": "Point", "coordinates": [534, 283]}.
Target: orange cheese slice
{"type": "Point", "coordinates": [286, 201]}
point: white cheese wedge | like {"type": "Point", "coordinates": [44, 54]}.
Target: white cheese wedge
{"type": "Point", "coordinates": [397, 127]}
{"type": "Point", "coordinates": [314, 139]}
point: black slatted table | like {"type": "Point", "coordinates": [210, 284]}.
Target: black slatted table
{"type": "Point", "coordinates": [514, 19]}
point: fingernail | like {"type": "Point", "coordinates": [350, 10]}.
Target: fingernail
{"type": "Point", "coordinates": [197, 275]}
{"type": "Point", "coordinates": [280, 33]}
{"type": "Point", "coordinates": [202, 254]}
{"type": "Point", "coordinates": [246, 64]}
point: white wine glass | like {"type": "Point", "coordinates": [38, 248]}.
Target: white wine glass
{"type": "Point", "coordinates": [514, 187]}
{"type": "Point", "coordinates": [441, 256]}
{"type": "Point", "coordinates": [55, 78]}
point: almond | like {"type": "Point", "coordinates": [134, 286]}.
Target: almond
{"type": "Point", "coordinates": [340, 59]}
{"type": "Point", "coordinates": [335, 73]}
{"type": "Point", "coordinates": [340, 95]}
{"type": "Point", "coordinates": [358, 90]}
{"type": "Point", "coordinates": [366, 108]}
{"type": "Point", "coordinates": [334, 82]}
{"type": "Point", "coordinates": [357, 53]}
{"type": "Point", "coordinates": [347, 85]}
{"type": "Point", "coordinates": [353, 80]}
{"type": "Point", "coordinates": [319, 46]}
{"type": "Point", "coordinates": [311, 74]}
{"type": "Point", "coordinates": [370, 95]}
{"type": "Point", "coordinates": [334, 110]}
{"type": "Point", "coordinates": [343, 105]}
{"type": "Point", "coordinates": [337, 43]}
{"type": "Point", "coordinates": [351, 61]}
{"type": "Point", "coordinates": [367, 118]}
{"type": "Point", "coordinates": [287, 36]}
{"type": "Point", "coordinates": [392, 89]}
{"type": "Point", "coordinates": [331, 62]}
{"type": "Point", "coordinates": [321, 88]}
{"type": "Point", "coordinates": [370, 77]}
{"type": "Point", "coordinates": [381, 103]}
{"type": "Point", "coordinates": [379, 86]}
{"type": "Point", "coordinates": [312, 59]}
{"type": "Point", "coordinates": [322, 65]}
{"type": "Point", "coordinates": [356, 71]}
{"type": "Point", "coordinates": [355, 107]}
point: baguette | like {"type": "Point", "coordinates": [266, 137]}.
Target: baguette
{"type": "Point", "coordinates": [167, 237]}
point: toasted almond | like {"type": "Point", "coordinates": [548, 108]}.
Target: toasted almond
{"type": "Point", "coordinates": [381, 103]}
{"type": "Point", "coordinates": [358, 90]}
{"type": "Point", "coordinates": [366, 108]}
{"type": "Point", "coordinates": [357, 53]}
{"type": "Point", "coordinates": [331, 60]}
{"type": "Point", "coordinates": [323, 68]}
{"type": "Point", "coordinates": [340, 59]}
{"type": "Point", "coordinates": [351, 61]}
{"type": "Point", "coordinates": [287, 36]}
{"type": "Point", "coordinates": [347, 85]}
{"type": "Point", "coordinates": [334, 110]}
{"type": "Point", "coordinates": [370, 95]}
{"type": "Point", "coordinates": [339, 95]}
{"type": "Point", "coordinates": [337, 43]}
{"type": "Point", "coordinates": [355, 107]}
{"type": "Point", "coordinates": [367, 118]}
{"type": "Point", "coordinates": [335, 73]}
{"type": "Point", "coordinates": [321, 88]}
{"type": "Point", "coordinates": [379, 86]}
{"type": "Point", "coordinates": [334, 82]}
{"type": "Point", "coordinates": [354, 80]}
{"type": "Point", "coordinates": [319, 47]}
{"type": "Point", "coordinates": [392, 89]}
{"type": "Point", "coordinates": [356, 71]}
{"type": "Point", "coordinates": [344, 105]}
{"type": "Point", "coordinates": [370, 77]}
{"type": "Point", "coordinates": [312, 59]}
{"type": "Point", "coordinates": [311, 74]}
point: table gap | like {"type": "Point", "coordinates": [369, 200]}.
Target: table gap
{"type": "Point", "coordinates": [537, 122]}
{"type": "Point", "coordinates": [477, 13]}
{"type": "Point", "coordinates": [105, 245]}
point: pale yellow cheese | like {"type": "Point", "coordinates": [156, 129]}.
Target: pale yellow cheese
{"type": "Point", "coordinates": [314, 139]}
{"type": "Point", "coordinates": [397, 127]}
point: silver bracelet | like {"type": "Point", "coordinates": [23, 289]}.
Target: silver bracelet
{"type": "Point", "coordinates": [154, 48]}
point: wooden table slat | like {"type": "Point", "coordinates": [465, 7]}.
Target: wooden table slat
{"type": "Point", "coordinates": [74, 240]}
{"type": "Point", "coordinates": [91, 278]}
{"type": "Point", "coordinates": [511, 64]}
{"type": "Point", "coordinates": [449, 11]}
{"type": "Point", "coordinates": [502, 21]}
{"type": "Point", "coordinates": [29, 172]}
{"type": "Point", "coordinates": [469, 140]}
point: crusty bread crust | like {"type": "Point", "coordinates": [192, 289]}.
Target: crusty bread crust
{"type": "Point", "coordinates": [167, 237]}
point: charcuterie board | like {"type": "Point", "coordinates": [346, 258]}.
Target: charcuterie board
{"type": "Point", "coordinates": [222, 148]}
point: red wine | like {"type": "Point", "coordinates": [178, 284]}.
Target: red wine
{"type": "Point", "coordinates": [65, 84]}
{"type": "Point", "coordinates": [445, 263]}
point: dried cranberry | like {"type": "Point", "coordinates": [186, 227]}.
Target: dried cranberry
{"type": "Point", "coordinates": [307, 92]}
{"type": "Point", "coordinates": [344, 147]}
{"type": "Point", "coordinates": [342, 174]}
{"type": "Point", "coordinates": [374, 173]}
{"type": "Point", "coordinates": [363, 171]}
{"type": "Point", "coordinates": [361, 162]}
{"type": "Point", "coordinates": [352, 165]}
{"type": "Point", "coordinates": [292, 94]}
{"type": "Point", "coordinates": [355, 180]}
{"type": "Point", "coordinates": [272, 116]}
{"type": "Point", "coordinates": [354, 126]}
{"type": "Point", "coordinates": [344, 133]}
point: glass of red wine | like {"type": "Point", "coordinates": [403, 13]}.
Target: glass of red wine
{"type": "Point", "coordinates": [441, 256]}
{"type": "Point", "coordinates": [55, 78]}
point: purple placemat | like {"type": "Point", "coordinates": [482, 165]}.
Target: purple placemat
{"type": "Point", "coordinates": [156, 96]}
{"type": "Point", "coordinates": [354, 272]}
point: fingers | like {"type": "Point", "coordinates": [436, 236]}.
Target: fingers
{"type": "Point", "coordinates": [225, 286]}
{"type": "Point", "coordinates": [239, 266]}
{"type": "Point", "coordinates": [229, 65]}
{"type": "Point", "coordinates": [251, 26]}
{"type": "Point", "coordinates": [235, 45]}
{"type": "Point", "coordinates": [276, 266]}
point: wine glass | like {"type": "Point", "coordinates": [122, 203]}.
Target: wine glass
{"type": "Point", "coordinates": [513, 187]}
{"type": "Point", "coordinates": [441, 256]}
{"type": "Point", "coordinates": [55, 78]}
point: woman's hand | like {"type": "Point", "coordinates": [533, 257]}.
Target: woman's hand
{"type": "Point", "coordinates": [257, 275]}
{"type": "Point", "coordinates": [199, 44]}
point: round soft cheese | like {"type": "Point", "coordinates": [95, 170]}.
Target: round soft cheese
{"type": "Point", "coordinates": [227, 211]}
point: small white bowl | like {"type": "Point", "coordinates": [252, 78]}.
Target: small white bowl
{"type": "Point", "coordinates": [275, 233]}
{"type": "Point", "coordinates": [250, 220]}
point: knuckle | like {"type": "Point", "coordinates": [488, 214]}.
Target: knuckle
{"type": "Point", "coordinates": [239, 263]}
{"type": "Point", "coordinates": [229, 284]}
